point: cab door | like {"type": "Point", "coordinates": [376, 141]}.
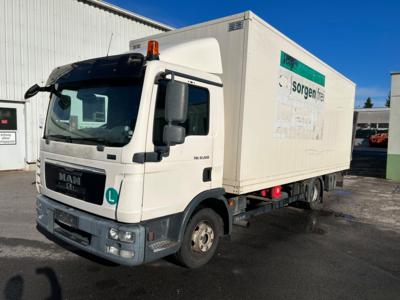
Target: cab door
{"type": "Point", "coordinates": [170, 184]}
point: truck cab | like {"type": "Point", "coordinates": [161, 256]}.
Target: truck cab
{"type": "Point", "coordinates": [132, 146]}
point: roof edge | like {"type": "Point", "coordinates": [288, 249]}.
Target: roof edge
{"type": "Point", "coordinates": [126, 13]}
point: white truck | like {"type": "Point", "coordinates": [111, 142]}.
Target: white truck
{"type": "Point", "coordinates": [158, 151]}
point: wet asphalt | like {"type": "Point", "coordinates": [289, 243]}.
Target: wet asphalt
{"type": "Point", "coordinates": [289, 254]}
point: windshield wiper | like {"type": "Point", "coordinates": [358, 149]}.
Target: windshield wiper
{"type": "Point", "coordinates": [66, 138]}
{"type": "Point", "coordinates": [89, 139]}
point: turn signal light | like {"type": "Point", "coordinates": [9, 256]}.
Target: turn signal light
{"type": "Point", "coordinates": [152, 50]}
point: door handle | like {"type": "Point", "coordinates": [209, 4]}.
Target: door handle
{"type": "Point", "coordinates": [207, 174]}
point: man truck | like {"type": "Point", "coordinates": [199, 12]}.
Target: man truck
{"type": "Point", "coordinates": [159, 151]}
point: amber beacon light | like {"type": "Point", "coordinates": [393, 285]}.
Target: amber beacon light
{"type": "Point", "coordinates": [152, 50]}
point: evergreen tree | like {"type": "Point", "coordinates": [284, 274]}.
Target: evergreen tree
{"type": "Point", "coordinates": [368, 103]}
{"type": "Point", "coordinates": [387, 104]}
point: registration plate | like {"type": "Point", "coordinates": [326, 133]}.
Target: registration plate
{"type": "Point", "coordinates": [66, 218]}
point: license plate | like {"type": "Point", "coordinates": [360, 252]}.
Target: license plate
{"type": "Point", "coordinates": [66, 218]}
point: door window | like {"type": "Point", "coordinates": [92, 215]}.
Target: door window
{"type": "Point", "coordinates": [198, 116]}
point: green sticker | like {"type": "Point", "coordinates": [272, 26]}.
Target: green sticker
{"type": "Point", "coordinates": [112, 196]}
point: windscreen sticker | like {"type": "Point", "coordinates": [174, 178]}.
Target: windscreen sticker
{"type": "Point", "coordinates": [300, 103]}
{"type": "Point", "coordinates": [112, 196]}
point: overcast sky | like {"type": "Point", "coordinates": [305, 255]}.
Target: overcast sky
{"type": "Point", "coordinates": [360, 39]}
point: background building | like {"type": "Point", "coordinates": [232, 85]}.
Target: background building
{"type": "Point", "coordinates": [35, 37]}
{"type": "Point", "coordinates": [393, 158]}
{"type": "Point", "coordinates": [370, 121]}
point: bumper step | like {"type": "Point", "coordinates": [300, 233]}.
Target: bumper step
{"type": "Point", "coordinates": [162, 245]}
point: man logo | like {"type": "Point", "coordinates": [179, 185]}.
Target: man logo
{"type": "Point", "coordinates": [71, 179]}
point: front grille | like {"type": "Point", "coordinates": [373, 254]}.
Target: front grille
{"type": "Point", "coordinates": [81, 184]}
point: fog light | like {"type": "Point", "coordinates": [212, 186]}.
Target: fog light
{"type": "Point", "coordinates": [113, 250]}
{"type": "Point", "coordinates": [126, 253]}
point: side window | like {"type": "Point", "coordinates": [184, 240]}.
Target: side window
{"type": "Point", "coordinates": [94, 109]}
{"type": "Point", "coordinates": [198, 117]}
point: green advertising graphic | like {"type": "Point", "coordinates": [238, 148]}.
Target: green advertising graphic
{"type": "Point", "coordinates": [296, 66]}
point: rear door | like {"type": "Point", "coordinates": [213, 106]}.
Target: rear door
{"type": "Point", "coordinates": [169, 185]}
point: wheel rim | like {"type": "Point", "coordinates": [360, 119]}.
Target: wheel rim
{"type": "Point", "coordinates": [202, 237]}
{"type": "Point", "coordinates": [315, 193]}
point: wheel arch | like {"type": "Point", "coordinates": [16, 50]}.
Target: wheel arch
{"type": "Point", "coordinates": [213, 199]}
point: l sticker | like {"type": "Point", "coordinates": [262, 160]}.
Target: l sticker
{"type": "Point", "coordinates": [112, 196]}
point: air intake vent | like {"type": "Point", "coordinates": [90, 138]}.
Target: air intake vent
{"type": "Point", "coordinates": [137, 46]}
{"type": "Point", "coordinates": [235, 26]}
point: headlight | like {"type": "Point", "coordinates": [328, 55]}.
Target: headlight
{"type": "Point", "coordinates": [121, 235]}
{"type": "Point", "coordinates": [113, 234]}
{"type": "Point", "coordinates": [126, 236]}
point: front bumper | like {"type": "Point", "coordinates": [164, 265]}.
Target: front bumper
{"type": "Point", "coordinates": [90, 233]}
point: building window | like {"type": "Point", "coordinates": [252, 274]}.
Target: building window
{"type": "Point", "coordinates": [383, 125]}
{"type": "Point", "coordinates": [198, 120]}
{"type": "Point", "coordinates": [8, 118]}
{"type": "Point", "coordinates": [362, 125]}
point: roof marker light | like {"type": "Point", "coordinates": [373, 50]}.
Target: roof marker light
{"type": "Point", "coordinates": [152, 50]}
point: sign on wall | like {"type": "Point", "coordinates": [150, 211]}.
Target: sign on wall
{"type": "Point", "coordinates": [301, 97]}
{"type": "Point", "coordinates": [8, 138]}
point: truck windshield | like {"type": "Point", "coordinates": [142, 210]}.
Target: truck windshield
{"type": "Point", "coordinates": [94, 113]}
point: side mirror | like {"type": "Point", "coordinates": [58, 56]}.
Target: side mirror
{"type": "Point", "coordinates": [32, 91]}
{"type": "Point", "coordinates": [174, 135]}
{"type": "Point", "coordinates": [176, 102]}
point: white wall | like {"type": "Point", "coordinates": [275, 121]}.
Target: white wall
{"type": "Point", "coordinates": [38, 35]}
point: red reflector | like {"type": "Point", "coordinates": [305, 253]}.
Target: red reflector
{"type": "Point", "coordinates": [4, 122]}
{"type": "Point", "coordinates": [276, 192]}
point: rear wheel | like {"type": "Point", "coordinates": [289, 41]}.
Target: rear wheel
{"type": "Point", "coordinates": [314, 194]}
{"type": "Point", "coordinates": [201, 239]}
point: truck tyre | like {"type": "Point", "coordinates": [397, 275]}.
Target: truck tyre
{"type": "Point", "coordinates": [201, 239]}
{"type": "Point", "coordinates": [314, 194]}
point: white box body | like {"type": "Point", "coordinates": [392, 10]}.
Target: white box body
{"type": "Point", "coordinates": [273, 134]}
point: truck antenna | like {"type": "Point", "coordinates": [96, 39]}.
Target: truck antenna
{"type": "Point", "coordinates": [109, 44]}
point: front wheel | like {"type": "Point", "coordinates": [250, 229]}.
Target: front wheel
{"type": "Point", "coordinates": [201, 239]}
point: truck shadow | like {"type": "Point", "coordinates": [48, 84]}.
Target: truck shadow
{"type": "Point", "coordinates": [14, 288]}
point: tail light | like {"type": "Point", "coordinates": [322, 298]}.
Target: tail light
{"type": "Point", "coordinates": [264, 193]}
{"type": "Point", "coordinates": [276, 192]}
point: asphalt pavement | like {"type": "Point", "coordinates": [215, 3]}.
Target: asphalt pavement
{"type": "Point", "coordinates": [339, 253]}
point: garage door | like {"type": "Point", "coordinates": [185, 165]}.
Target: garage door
{"type": "Point", "coordinates": [12, 136]}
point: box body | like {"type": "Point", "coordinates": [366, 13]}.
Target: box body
{"type": "Point", "coordinates": [288, 115]}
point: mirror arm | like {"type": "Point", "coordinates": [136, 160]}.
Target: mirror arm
{"type": "Point", "coordinates": [163, 151]}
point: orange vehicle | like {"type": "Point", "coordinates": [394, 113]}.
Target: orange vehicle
{"type": "Point", "coordinates": [378, 140]}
